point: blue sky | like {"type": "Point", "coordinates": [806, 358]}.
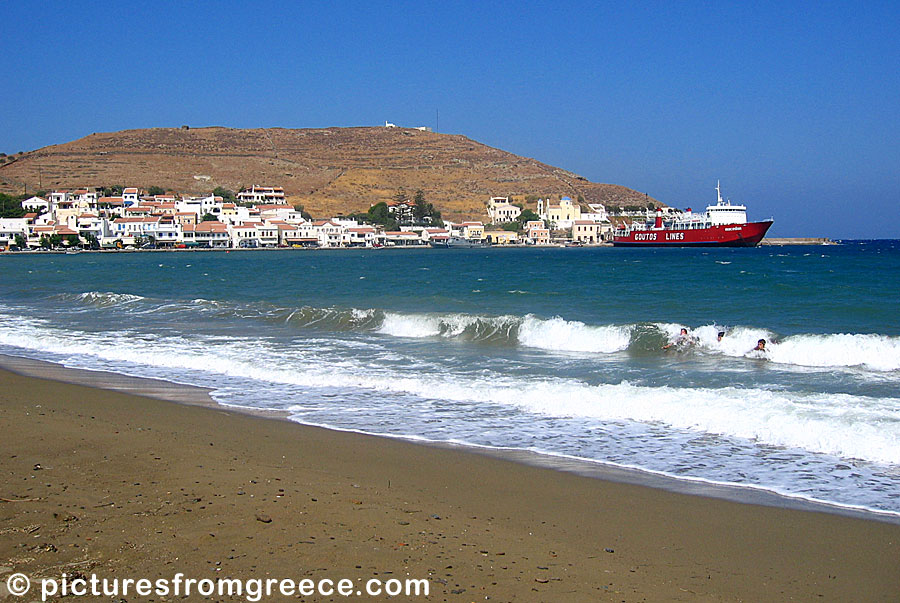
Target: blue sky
{"type": "Point", "coordinates": [795, 107]}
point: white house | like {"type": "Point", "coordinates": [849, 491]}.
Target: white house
{"type": "Point", "coordinates": [361, 236]}
{"type": "Point", "coordinates": [207, 234]}
{"type": "Point", "coordinates": [268, 234]}
{"type": "Point", "coordinates": [501, 211]}
{"type": "Point", "coordinates": [200, 205]}
{"type": "Point", "coordinates": [85, 199]}
{"type": "Point", "coordinates": [130, 196]}
{"type": "Point", "coordinates": [36, 204]}
{"type": "Point", "coordinates": [330, 234]}
{"type": "Point", "coordinates": [403, 211]}
{"type": "Point", "coordinates": [9, 228]}
{"type": "Point", "coordinates": [244, 235]}
{"type": "Point", "coordinates": [59, 198]}
{"type": "Point", "coordinates": [92, 224]}
{"type": "Point", "coordinates": [402, 238]}
{"type": "Point", "coordinates": [262, 194]}
{"type": "Point", "coordinates": [278, 211]}
{"type": "Point", "coordinates": [286, 233]}
{"type": "Point", "coordinates": [435, 234]}
{"type": "Point", "coordinates": [598, 213]}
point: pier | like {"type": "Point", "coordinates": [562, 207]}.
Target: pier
{"type": "Point", "coordinates": [797, 241]}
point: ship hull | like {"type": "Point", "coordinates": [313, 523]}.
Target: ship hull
{"type": "Point", "coordinates": [457, 243]}
{"type": "Point", "coordinates": [726, 235]}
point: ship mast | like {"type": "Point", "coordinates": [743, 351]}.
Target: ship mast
{"type": "Point", "coordinates": [719, 193]}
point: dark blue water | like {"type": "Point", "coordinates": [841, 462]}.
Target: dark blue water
{"type": "Point", "coordinates": [558, 351]}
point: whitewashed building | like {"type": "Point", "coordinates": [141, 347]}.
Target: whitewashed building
{"type": "Point", "coordinates": [501, 211]}
{"type": "Point", "coordinates": [262, 194]}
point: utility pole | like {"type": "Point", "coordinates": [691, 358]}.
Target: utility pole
{"type": "Point", "coordinates": [437, 120]}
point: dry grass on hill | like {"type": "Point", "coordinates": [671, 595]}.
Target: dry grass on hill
{"type": "Point", "coordinates": [329, 171]}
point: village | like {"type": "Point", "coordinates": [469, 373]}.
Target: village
{"type": "Point", "coordinates": [261, 217]}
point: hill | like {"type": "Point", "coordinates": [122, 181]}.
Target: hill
{"type": "Point", "coordinates": [329, 171]}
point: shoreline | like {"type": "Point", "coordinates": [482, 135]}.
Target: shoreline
{"type": "Point", "coordinates": [777, 241]}
{"type": "Point", "coordinates": [181, 393]}
{"type": "Point", "coordinates": [117, 484]}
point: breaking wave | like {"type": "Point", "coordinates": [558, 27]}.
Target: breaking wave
{"type": "Point", "coordinates": [836, 350]}
{"type": "Point", "coordinates": [100, 299]}
{"type": "Point", "coordinates": [873, 352]}
{"type": "Point", "coordinates": [849, 426]}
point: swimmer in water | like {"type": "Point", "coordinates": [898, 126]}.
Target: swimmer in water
{"type": "Point", "coordinates": [720, 336]}
{"type": "Point", "coordinates": [760, 346]}
{"type": "Point", "coordinates": [683, 340]}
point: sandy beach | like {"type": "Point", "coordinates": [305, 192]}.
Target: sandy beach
{"type": "Point", "coordinates": [105, 482]}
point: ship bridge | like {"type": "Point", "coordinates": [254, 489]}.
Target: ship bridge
{"type": "Point", "coordinates": [726, 213]}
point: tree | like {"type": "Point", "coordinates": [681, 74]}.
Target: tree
{"type": "Point", "coordinates": [45, 242]}
{"type": "Point", "coordinates": [113, 191]}
{"type": "Point", "coordinates": [519, 224]}
{"type": "Point", "coordinates": [20, 241]}
{"type": "Point", "coordinates": [527, 216]}
{"type": "Point", "coordinates": [424, 212]}
{"type": "Point", "coordinates": [380, 214]}
{"type": "Point", "coordinates": [92, 241]}
{"type": "Point", "coordinates": [208, 217]}
{"type": "Point", "coordinates": [156, 190]}
{"type": "Point", "coordinates": [73, 240]}
{"type": "Point", "coordinates": [11, 206]}
{"type": "Point", "coordinates": [55, 240]}
{"type": "Point", "coordinates": [226, 194]}
{"type": "Point", "coordinates": [420, 207]}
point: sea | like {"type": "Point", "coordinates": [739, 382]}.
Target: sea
{"type": "Point", "coordinates": [554, 354]}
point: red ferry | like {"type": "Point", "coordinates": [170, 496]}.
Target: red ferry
{"type": "Point", "coordinates": [723, 225]}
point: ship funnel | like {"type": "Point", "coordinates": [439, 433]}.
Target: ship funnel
{"type": "Point", "coordinates": [658, 223]}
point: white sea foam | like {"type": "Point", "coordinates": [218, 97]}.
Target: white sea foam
{"type": "Point", "coordinates": [105, 299]}
{"type": "Point", "coordinates": [868, 351]}
{"type": "Point", "coordinates": [410, 325]}
{"type": "Point", "coordinates": [573, 336]}
{"type": "Point", "coordinates": [849, 426]}
{"type": "Point", "coordinates": [555, 334]}
{"type": "Point", "coordinates": [874, 352]}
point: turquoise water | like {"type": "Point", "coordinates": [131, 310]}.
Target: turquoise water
{"type": "Point", "coordinates": [557, 351]}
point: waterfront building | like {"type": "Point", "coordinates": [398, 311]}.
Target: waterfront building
{"type": "Point", "coordinates": [586, 231]}
{"type": "Point", "coordinates": [474, 231]}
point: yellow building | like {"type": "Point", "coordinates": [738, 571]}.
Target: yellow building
{"type": "Point", "coordinates": [501, 237]}
{"type": "Point", "coordinates": [560, 216]}
{"type": "Point", "coordinates": [474, 231]}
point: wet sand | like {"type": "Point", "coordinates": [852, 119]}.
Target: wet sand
{"type": "Point", "coordinates": [127, 486]}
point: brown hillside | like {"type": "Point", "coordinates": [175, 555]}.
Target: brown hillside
{"type": "Point", "coordinates": [329, 171]}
